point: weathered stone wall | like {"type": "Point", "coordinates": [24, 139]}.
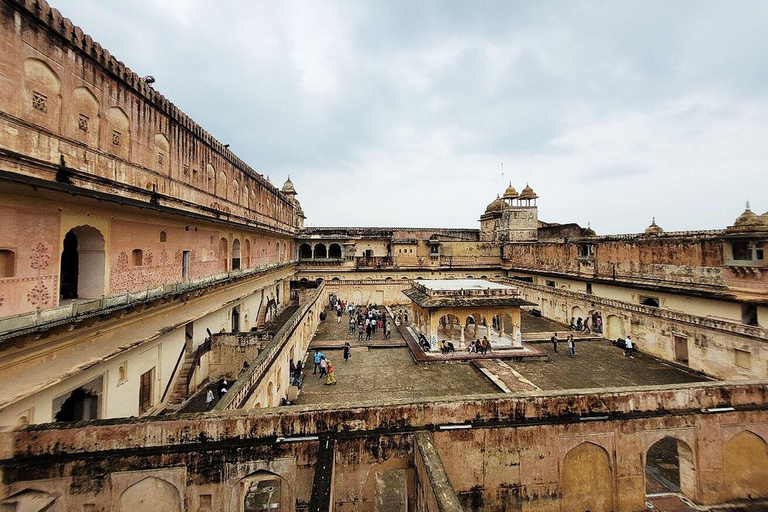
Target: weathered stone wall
{"type": "Point", "coordinates": [540, 452]}
{"type": "Point", "coordinates": [694, 259]}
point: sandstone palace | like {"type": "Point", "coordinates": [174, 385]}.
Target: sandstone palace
{"type": "Point", "coordinates": [157, 294]}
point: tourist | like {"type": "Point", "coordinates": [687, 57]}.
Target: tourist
{"type": "Point", "coordinates": [292, 371]}
{"type": "Point", "coordinates": [387, 329]}
{"type": "Point", "coordinates": [586, 329]}
{"type": "Point", "coordinates": [573, 323]}
{"type": "Point", "coordinates": [360, 332]}
{"type": "Point", "coordinates": [209, 400]}
{"type": "Point", "coordinates": [629, 347]}
{"type": "Point", "coordinates": [487, 345]}
{"type": "Point", "coordinates": [571, 346]}
{"type": "Point", "coordinates": [323, 367]}
{"type": "Point", "coordinates": [347, 352]}
{"type": "Point", "coordinates": [405, 317]}
{"type": "Point", "coordinates": [330, 370]}
{"type": "Point", "coordinates": [351, 325]}
{"type": "Point", "coordinates": [579, 325]}
{"type": "Point", "coordinates": [297, 377]}
{"type": "Point", "coordinates": [318, 357]}
{"type": "Point", "coordinates": [553, 339]}
{"type": "Point", "coordinates": [338, 314]}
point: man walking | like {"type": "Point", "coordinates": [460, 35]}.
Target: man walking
{"type": "Point", "coordinates": [629, 347]}
{"type": "Point", "coordinates": [571, 346]}
{"type": "Point", "coordinates": [554, 342]}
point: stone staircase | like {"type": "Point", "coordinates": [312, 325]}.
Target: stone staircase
{"type": "Point", "coordinates": [179, 391]}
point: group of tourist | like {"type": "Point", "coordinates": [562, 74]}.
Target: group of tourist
{"type": "Point", "coordinates": [571, 344]}
{"type": "Point", "coordinates": [587, 325]}
{"type": "Point", "coordinates": [479, 346]}
{"type": "Point", "coordinates": [326, 369]}
{"type": "Point", "coordinates": [365, 320]}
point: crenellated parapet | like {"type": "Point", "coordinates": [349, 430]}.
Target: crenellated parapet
{"type": "Point", "coordinates": [71, 112]}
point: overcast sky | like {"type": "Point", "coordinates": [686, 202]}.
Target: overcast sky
{"type": "Point", "coordinates": [401, 113]}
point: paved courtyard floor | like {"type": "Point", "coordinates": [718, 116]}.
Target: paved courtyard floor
{"type": "Point", "coordinates": [385, 369]}
{"type": "Point", "coordinates": [390, 374]}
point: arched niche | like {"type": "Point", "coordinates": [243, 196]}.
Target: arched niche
{"type": "Point", "coordinates": [320, 251]}
{"type": "Point", "coordinates": [223, 254]}
{"type": "Point", "coordinates": [745, 467]}
{"type": "Point", "coordinates": [614, 327]}
{"type": "Point", "coordinates": [87, 116]}
{"type": "Point", "coordinates": [586, 480]}
{"type": "Point", "coordinates": [151, 494]}
{"type": "Point", "coordinates": [118, 133]}
{"type": "Point", "coordinates": [42, 94]}
{"type": "Point", "coordinates": [162, 154]}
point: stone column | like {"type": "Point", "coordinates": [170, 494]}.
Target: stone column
{"type": "Point", "coordinates": [461, 338]}
{"type": "Point", "coordinates": [501, 325]}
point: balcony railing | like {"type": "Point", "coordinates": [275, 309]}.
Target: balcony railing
{"type": "Point", "coordinates": [85, 308]}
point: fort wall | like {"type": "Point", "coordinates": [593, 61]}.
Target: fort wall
{"type": "Point", "coordinates": [535, 453]}
{"type": "Point", "coordinates": [69, 108]}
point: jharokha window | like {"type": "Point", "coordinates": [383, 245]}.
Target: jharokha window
{"type": "Point", "coordinates": [82, 123]}
{"type": "Point", "coordinates": [39, 101]}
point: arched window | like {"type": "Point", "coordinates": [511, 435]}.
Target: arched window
{"type": "Point", "coordinates": [334, 251]}
{"type": "Point", "coordinates": [305, 251]}
{"type": "Point", "coordinates": [137, 257]}
{"type": "Point", "coordinates": [236, 254]}
{"type": "Point", "coordinates": [162, 236]}
{"type": "Point", "coordinates": [320, 251]}
{"type": "Point", "coordinates": [7, 263]}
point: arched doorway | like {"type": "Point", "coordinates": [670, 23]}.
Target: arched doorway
{"type": "Point", "coordinates": [236, 254]}
{"type": "Point", "coordinates": [745, 467]}
{"type": "Point", "coordinates": [305, 251]}
{"type": "Point", "coordinates": [669, 468]}
{"type": "Point", "coordinates": [577, 312]}
{"type": "Point", "coordinates": [320, 251]}
{"type": "Point", "coordinates": [334, 251]}
{"type": "Point", "coordinates": [83, 264]}
{"type": "Point", "coordinates": [586, 480]}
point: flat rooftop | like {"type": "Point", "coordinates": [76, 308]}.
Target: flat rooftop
{"type": "Point", "coordinates": [461, 284]}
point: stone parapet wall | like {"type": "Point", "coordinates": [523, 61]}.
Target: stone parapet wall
{"type": "Point", "coordinates": [510, 453]}
{"type": "Point", "coordinates": [680, 260]}
{"type": "Point", "coordinates": [271, 366]}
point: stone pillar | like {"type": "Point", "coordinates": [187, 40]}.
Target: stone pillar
{"type": "Point", "coordinates": [517, 339]}
{"type": "Point", "coordinates": [501, 325]}
{"type": "Point", "coordinates": [461, 338]}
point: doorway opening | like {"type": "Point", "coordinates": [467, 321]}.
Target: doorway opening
{"type": "Point", "coordinates": [669, 469]}
{"type": "Point", "coordinates": [83, 263]}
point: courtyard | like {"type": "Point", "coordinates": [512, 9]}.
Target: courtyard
{"type": "Point", "coordinates": [383, 370]}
